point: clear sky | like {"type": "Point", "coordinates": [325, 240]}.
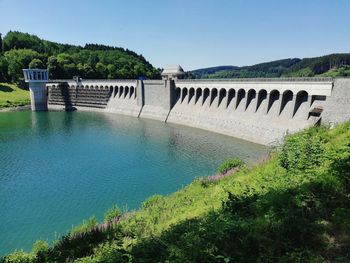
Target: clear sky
{"type": "Point", "coordinates": [192, 33]}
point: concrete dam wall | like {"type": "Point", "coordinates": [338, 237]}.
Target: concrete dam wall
{"type": "Point", "coordinates": [258, 110]}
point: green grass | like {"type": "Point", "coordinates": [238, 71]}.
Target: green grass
{"type": "Point", "coordinates": [12, 96]}
{"type": "Point", "coordinates": [293, 208]}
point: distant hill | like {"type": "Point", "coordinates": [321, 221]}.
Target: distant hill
{"type": "Point", "coordinates": [212, 70]}
{"type": "Point", "coordinates": [334, 65]}
{"type": "Point", "coordinates": [22, 50]}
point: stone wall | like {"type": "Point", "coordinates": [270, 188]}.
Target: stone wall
{"type": "Point", "coordinates": [158, 99]}
{"type": "Point", "coordinates": [261, 111]}
{"type": "Point", "coordinates": [258, 110]}
{"type": "Point", "coordinates": [337, 106]}
{"type": "Point", "coordinates": [70, 96]}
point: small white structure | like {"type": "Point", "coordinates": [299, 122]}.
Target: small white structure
{"type": "Point", "coordinates": [37, 79]}
{"type": "Point", "coordinates": [172, 72]}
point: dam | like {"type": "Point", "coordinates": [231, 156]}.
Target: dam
{"type": "Point", "coordinates": [260, 110]}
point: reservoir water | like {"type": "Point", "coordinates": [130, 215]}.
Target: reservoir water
{"type": "Point", "coordinates": [58, 168]}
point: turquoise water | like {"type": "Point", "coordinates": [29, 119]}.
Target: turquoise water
{"type": "Point", "coordinates": [58, 168]}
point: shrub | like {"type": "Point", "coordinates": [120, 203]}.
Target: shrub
{"type": "Point", "coordinates": [302, 151]}
{"type": "Point", "coordinates": [19, 257]}
{"type": "Point", "coordinates": [230, 164]}
{"type": "Point", "coordinates": [112, 213]}
{"type": "Point", "coordinates": [41, 249]}
{"type": "Point", "coordinates": [105, 253]}
{"type": "Point", "coordinates": [86, 226]}
{"type": "Point", "coordinates": [153, 200]}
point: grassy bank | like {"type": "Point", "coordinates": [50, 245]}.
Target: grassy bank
{"type": "Point", "coordinates": [294, 207]}
{"type": "Point", "coordinates": [13, 96]}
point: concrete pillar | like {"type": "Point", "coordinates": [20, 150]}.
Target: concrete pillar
{"type": "Point", "coordinates": [38, 96]}
{"type": "Point", "coordinates": [302, 106]}
{"type": "Point", "coordinates": [231, 105]}
{"type": "Point", "coordinates": [37, 79]}
{"type": "Point", "coordinates": [241, 101]}
{"type": "Point", "coordinates": [223, 103]}
{"type": "Point", "coordinates": [205, 97]}
{"type": "Point", "coordinates": [274, 103]}
{"type": "Point", "coordinates": [140, 97]}
{"type": "Point", "coordinates": [288, 108]}
{"type": "Point", "coordinates": [251, 102]}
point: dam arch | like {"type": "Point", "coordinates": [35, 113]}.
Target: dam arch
{"type": "Point", "coordinates": [251, 100]}
{"type": "Point", "coordinates": [213, 96]}
{"type": "Point", "coordinates": [126, 92]}
{"type": "Point", "coordinates": [206, 95]}
{"type": "Point", "coordinates": [262, 101]}
{"type": "Point", "coordinates": [286, 103]}
{"type": "Point", "coordinates": [230, 97]}
{"type": "Point", "coordinates": [274, 99]}
{"type": "Point", "coordinates": [184, 95]}
{"type": "Point", "coordinates": [241, 96]}
{"type": "Point", "coordinates": [222, 96]}
{"type": "Point", "coordinates": [190, 95]}
{"type": "Point", "coordinates": [301, 106]}
{"type": "Point", "coordinates": [198, 95]}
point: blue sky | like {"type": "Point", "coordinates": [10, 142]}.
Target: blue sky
{"type": "Point", "coordinates": [192, 33]}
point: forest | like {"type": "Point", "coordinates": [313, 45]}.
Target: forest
{"type": "Point", "coordinates": [94, 61]}
{"type": "Point", "coordinates": [334, 65]}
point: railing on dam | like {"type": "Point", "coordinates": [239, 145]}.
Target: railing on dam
{"type": "Point", "coordinates": [92, 80]}
{"type": "Point", "coordinates": [306, 79]}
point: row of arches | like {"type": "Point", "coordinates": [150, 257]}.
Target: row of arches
{"type": "Point", "coordinates": [251, 100]}
{"type": "Point", "coordinates": [91, 87]}
{"type": "Point", "coordinates": [114, 91]}
{"type": "Point", "coordinates": [123, 92]}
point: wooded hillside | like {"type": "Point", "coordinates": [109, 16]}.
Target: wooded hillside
{"type": "Point", "coordinates": [22, 50]}
{"type": "Point", "coordinates": [334, 65]}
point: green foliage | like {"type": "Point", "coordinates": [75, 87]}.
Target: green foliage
{"type": "Point", "coordinates": [106, 253]}
{"type": "Point", "coordinates": [334, 65]}
{"type": "Point", "coordinates": [41, 250]}
{"type": "Point", "coordinates": [86, 226]}
{"type": "Point", "coordinates": [1, 44]}
{"type": "Point", "coordinates": [343, 71]}
{"type": "Point", "coordinates": [3, 68]}
{"type": "Point", "coordinates": [302, 151]}
{"type": "Point", "coordinates": [112, 213]}
{"type": "Point", "coordinates": [154, 200]}
{"type": "Point", "coordinates": [36, 63]}
{"type": "Point", "coordinates": [304, 72]}
{"type": "Point", "coordinates": [65, 61]}
{"type": "Point", "coordinates": [19, 59]}
{"type": "Point", "coordinates": [19, 257]}
{"type": "Point", "coordinates": [230, 164]}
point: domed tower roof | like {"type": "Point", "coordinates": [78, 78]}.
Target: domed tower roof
{"type": "Point", "coordinates": [172, 72]}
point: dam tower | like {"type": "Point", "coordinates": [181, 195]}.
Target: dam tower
{"type": "Point", "coordinates": [37, 79]}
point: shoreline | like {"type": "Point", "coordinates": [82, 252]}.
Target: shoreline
{"type": "Point", "coordinates": [16, 108]}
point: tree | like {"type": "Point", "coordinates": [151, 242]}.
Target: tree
{"type": "Point", "coordinates": [55, 70]}
{"type": "Point", "coordinates": [112, 71]}
{"type": "Point", "coordinates": [37, 63]}
{"type": "Point", "coordinates": [65, 61]}
{"type": "Point", "coordinates": [19, 59]}
{"type": "Point", "coordinates": [3, 69]}
{"type": "Point", "coordinates": [1, 47]}
{"type": "Point", "coordinates": [101, 70]}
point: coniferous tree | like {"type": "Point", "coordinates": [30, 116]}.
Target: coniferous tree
{"type": "Point", "coordinates": [1, 49]}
